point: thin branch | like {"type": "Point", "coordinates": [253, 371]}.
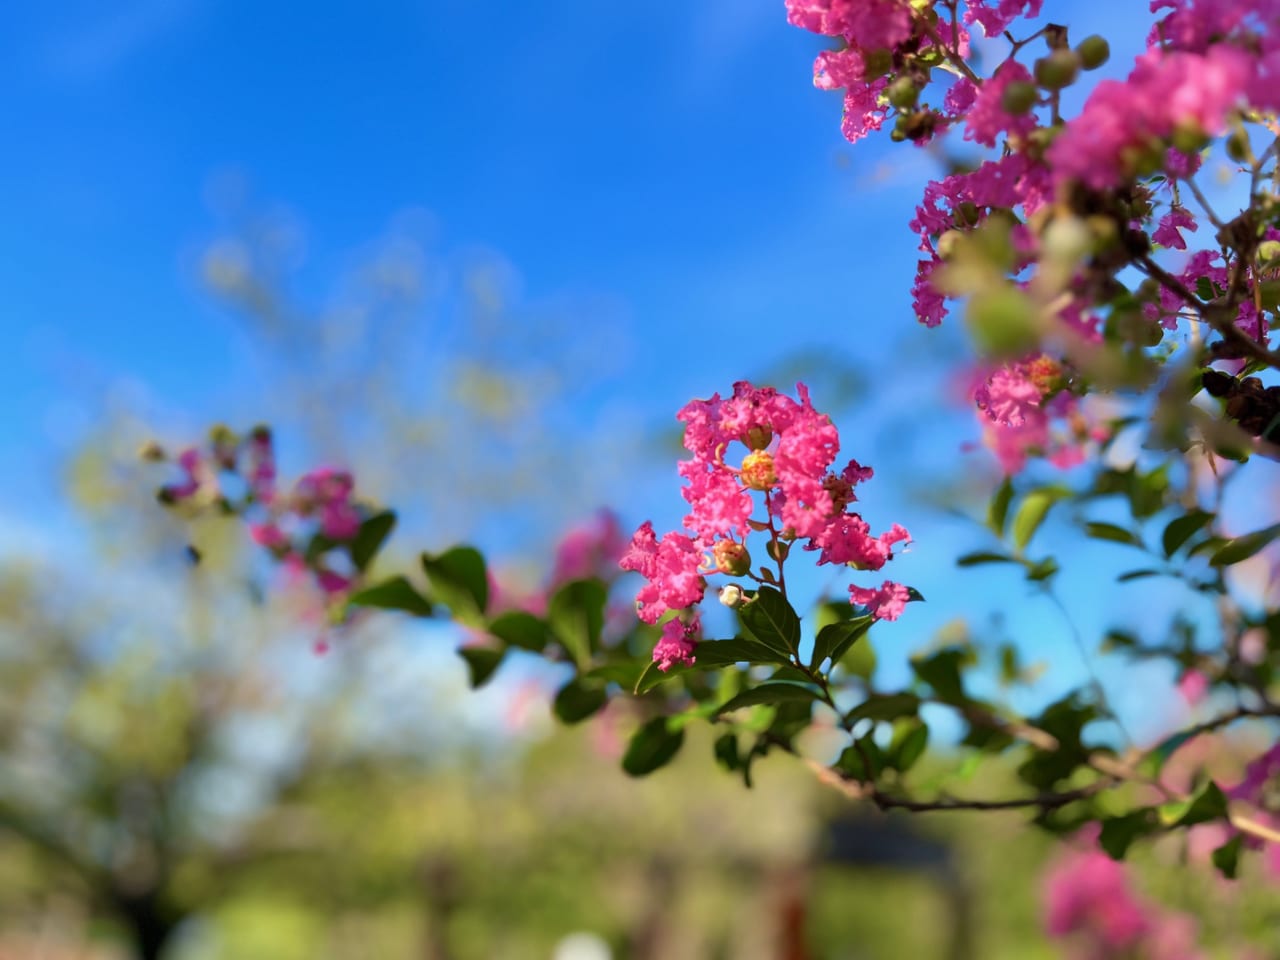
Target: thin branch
{"type": "Point", "coordinates": [856, 790]}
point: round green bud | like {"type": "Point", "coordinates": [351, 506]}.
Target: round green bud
{"type": "Point", "coordinates": [903, 93]}
{"type": "Point", "coordinates": [1189, 137]}
{"type": "Point", "coordinates": [1238, 147]}
{"type": "Point", "coordinates": [1094, 51]}
{"type": "Point", "coordinates": [1018, 98]}
{"type": "Point", "coordinates": [1002, 321]}
{"type": "Point", "coordinates": [876, 64]}
{"type": "Point", "coordinates": [966, 214]}
{"type": "Point", "coordinates": [1059, 69]}
{"type": "Point", "coordinates": [731, 558]}
{"type": "Point", "coordinates": [948, 243]}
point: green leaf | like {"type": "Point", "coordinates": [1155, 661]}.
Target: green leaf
{"type": "Point", "coordinates": [835, 639]}
{"type": "Point", "coordinates": [884, 706]}
{"type": "Point", "coordinates": [724, 653]}
{"type": "Point", "coordinates": [1113, 533]}
{"type": "Point", "coordinates": [651, 747]}
{"type": "Point", "coordinates": [769, 619]}
{"type": "Point", "coordinates": [859, 660]}
{"type": "Point", "coordinates": [726, 751]}
{"type": "Point", "coordinates": [979, 557]}
{"type": "Point", "coordinates": [998, 508]}
{"type": "Point", "coordinates": [942, 672]}
{"type": "Point", "coordinates": [576, 615]}
{"type": "Point", "coordinates": [654, 675]}
{"type": "Point", "coordinates": [482, 662]}
{"type": "Point", "coordinates": [394, 594]}
{"type": "Point", "coordinates": [577, 700]}
{"type": "Point", "coordinates": [370, 537]}
{"type": "Point", "coordinates": [1031, 513]}
{"type": "Point", "coordinates": [1207, 805]}
{"type": "Point", "coordinates": [908, 745]}
{"type": "Point", "coordinates": [1147, 491]}
{"type": "Point", "coordinates": [1042, 569]}
{"type": "Point", "coordinates": [1207, 545]}
{"type": "Point", "coordinates": [1227, 857]}
{"type": "Point", "coordinates": [520, 629]}
{"type": "Point", "coordinates": [1204, 289]}
{"type": "Point", "coordinates": [1119, 833]}
{"type": "Point", "coordinates": [1137, 575]}
{"type": "Point", "coordinates": [318, 546]}
{"type": "Point", "coordinates": [1183, 528]}
{"type": "Point", "coordinates": [1242, 548]}
{"type": "Point", "coordinates": [625, 673]}
{"type": "Point", "coordinates": [770, 693]}
{"type": "Point", "coordinates": [862, 761]}
{"type": "Point", "coordinates": [458, 578]}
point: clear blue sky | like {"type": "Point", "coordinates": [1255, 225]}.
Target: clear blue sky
{"type": "Point", "coordinates": [673, 157]}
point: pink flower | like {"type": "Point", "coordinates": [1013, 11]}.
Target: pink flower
{"type": "Point", "coordinates": [328, 492]}
{"type": "Point", "coordinates": [268, 535]}
{"type": "Point", "coordinates": [996, 15]}
{"type": "Point", "coordinates": [591, 550]}
{"type": "Point", "coordinates": [332, 583]}
{"type": "Point", "coordinates": [198, 474]}
{"type": "Point", "coordinates": [262, 466]}
{"type": "Point", "coordinates": [1009, 397]}
{"type": "Point", "coordinates": [1166, 91]}
{"type": "Point", "coordinates": [1193, 685]}
{"type": "Point", "coordinates": [679, 640]}
{"type": "Point", "coordinates": [718, 504]}
{"type": "Point", "coordinates": [671, 567]}
{"type": "Point", "coordinates": [988, 119]}
{"type": "Point", "coordinates": [885, 602]}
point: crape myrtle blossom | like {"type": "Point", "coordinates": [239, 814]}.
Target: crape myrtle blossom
{"type": "Point", "coordinates": [1091, 905]}
{"type": "Point", "coordinates": [1026, 411]}
{"type": "Point", "coordinates": [1209, 66]}
{"type": "Point", "coordinates": [756, 448]}
{"type": "Point", "coordinates": [305, 530]}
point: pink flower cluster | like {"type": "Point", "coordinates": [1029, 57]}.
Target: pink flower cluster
{"type": "Point", "coordinates": [1168, 91]}
{"type": "Point", "coordinates": [1257, 788]}
{"type": "Point", "coordinates": [300, 529]}
{"type": "Point", "coordinates": [783, 450]}
{"type": "Point", "coordinates": [590, 550]}
{"type": "Point", "coordinates": [1025, 412]}
{"type": "Point", "coordinates": [1090, 903]}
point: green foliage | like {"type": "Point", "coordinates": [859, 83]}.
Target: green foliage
{"type": "Point", "coordinates": [371, 536]}
{"type": "Point", "coordinates": [575, 614]}
{"type": "Point", "coordinates": [577, 700]}
{"type": "Point", "coordinates": [458, 579]}
{"type": "Point", "coordinates": [768, 619]}
{"type": "Point", "coordinates": [395, 593]}
{"type": "Point", "coordinates": [652, 747]}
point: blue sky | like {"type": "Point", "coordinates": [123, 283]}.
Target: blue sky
{"type": "Point", "coordinates": [673, 158]}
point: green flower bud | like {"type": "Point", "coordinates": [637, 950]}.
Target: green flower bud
{"type": "Point", "coordinates": [877, 63]}
{"type": "Point", "coordinates": [1003, 322]}
{"type": "Point", "coordinates": [1018, 98]}
{"type": "Point", "coordinates": [1238, 147]}
{"type": "Point", "coordinates": [1094, 51]}
{"type": "Point", "coordinates": [1059, 69]}
{"type": "Point", "coordinates": [948, 242]}
{"type": "Point", "coordinates": [903, 93]}
{"type": "Point", "coordinates": [1189, 137]}
{"type": "Point", "coordinates": [731, 558]}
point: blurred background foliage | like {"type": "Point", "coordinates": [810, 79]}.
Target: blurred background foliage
{"type": "Point", "coordinates": [185, 778]}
